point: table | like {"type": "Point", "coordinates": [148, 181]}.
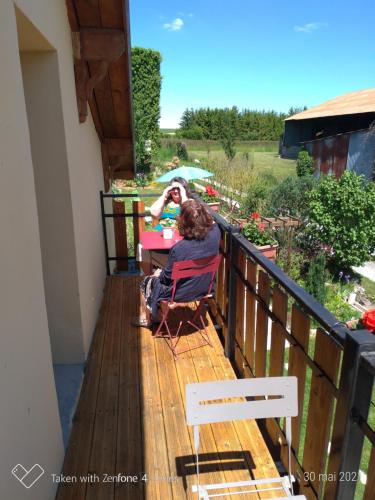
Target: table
{"type": "Point", "coordinates": [153, 240]}
{"type": "Point", "coordinates": [155, 249]}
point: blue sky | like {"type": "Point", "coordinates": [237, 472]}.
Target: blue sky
{"type": "Point", "coordinates": [269, 54]}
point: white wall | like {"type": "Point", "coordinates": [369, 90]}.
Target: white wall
{"type": "Point", "coordinates": [85, 176]}
{"type": "Point", "coordinates": [29, 422]}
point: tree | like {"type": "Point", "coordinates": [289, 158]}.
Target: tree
{"type": "Point", "coordinates": [341, 216]}
{"type": "Point", "coordinates": [304, 164]}
{"type": "Point", "coordinates": [146, 82]}
{"type": "Point", "coordinates": [316, 277]}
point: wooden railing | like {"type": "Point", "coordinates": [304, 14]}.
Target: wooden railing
{"type": "Point", "coordinates": [271, 327]}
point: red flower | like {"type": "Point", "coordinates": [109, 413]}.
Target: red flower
{"type": "Point", "coordinates": [211, 191]}
{"type": "Point", "coordinates": [255, 215]}
{"type": "Point", "coordinates": [261, 226]}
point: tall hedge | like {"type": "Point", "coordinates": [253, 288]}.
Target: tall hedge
{"type": "Point", "coordinates": [146, 81]}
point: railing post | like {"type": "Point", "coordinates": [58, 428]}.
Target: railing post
{"type": "Point", "coordinates": [121, 242]}
{"type": "Point", "coordinates": [138, 224]}
{"type": "Point", "coordinates": [347, 438]}
{"type": "Point", "coordinates": [104, 234]}
{"type": "Point", "coordinates": [229, 347]}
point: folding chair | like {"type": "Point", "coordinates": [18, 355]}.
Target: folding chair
{"type": "Point", "coordinates": [285, 405]}
{"type": "Point", "coordinates": [182, 270]}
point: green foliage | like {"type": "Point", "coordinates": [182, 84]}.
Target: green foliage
{"type": "Point", "coordinates": [181, 151]}
{"type": "Point", "coordinates": [146, 82]}
{"type": "Point", "coordinates": [290, 196]}
{"type": "Point", "coordinates": [337, 304]}
{"type": "Point", "coordinates": [256, 195]}
{"type": "Point", "coordinates": [305, 164]}
{"type": "Point", "coordinates": [292, 263]}
{"type": "Point", "coordinates": [195, 132]}
{"type": "Point", "coordinates": [342, 218]}
{"type": "Point", "coordinates": [256, 233]}
{"type": "Point", "coordinates": [247, 125]}
{"type": "Point", "coordinates": [316, 278]}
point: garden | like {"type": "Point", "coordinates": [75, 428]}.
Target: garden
{"type": "Point", "coordinates": [315, 229]}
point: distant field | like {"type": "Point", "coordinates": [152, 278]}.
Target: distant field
{"type": "Point", "coordinates": [240, 146]}
{"type": "Point", "coordinates": [262, 155]}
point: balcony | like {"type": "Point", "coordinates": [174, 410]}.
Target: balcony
{"type": "Point", "coordinates": [130, 419]}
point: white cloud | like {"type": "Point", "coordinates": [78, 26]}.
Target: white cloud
{"type": "Point", "coordinates": [310, 27]}
{"type": "Point", "coordinates": [175, 25]}
{"type": "Point", "coordinates": [186, 14]}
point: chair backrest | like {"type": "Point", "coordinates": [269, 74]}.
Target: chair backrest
{"type": "Point", "coordinates": [197, 267]}
{"type": "Point", "coordinates": [283, 389]}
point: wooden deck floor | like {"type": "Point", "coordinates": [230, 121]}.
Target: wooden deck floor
{"type": "Point", "coordinates": [130, 418]}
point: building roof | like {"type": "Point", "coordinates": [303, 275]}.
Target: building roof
{"type": "Point", "coordinates": [101, 28]}
{"type": "Point", "coordinates": [362, 101]}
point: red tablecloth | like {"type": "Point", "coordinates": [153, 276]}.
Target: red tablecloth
{"type": "Point", "coordinates": [153, 240]}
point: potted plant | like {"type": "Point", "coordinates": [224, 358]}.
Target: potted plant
{"type": "Point", "coordinates": [255, 231]}
{"type": "Point", "coordinates": [211, 197]}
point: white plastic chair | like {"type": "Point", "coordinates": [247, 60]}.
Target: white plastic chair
{"type": "Point", "coordinates": [284, 389]}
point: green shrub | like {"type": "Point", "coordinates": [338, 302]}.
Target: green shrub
{"type": "Point", "coordinates": [146, 83]}
{"type": "Point", "coordinates": [342, 218]}
{"type": "Point", "coordinates": [316, 278]}
{"type": "Point", "coordinates": [289, 197]}
{"type": "Point", "coordinates": [337, 304]}
{"type": "Point", "coordinates": [256, 196]}
{"type": "Point", "coordinates": [181, 151]}
{"type": "Point", "coordinates": [304, 164]}
{"type": "Point", "coordinates": [292, 263]}
{"type": "Point", "coordinates": [195, 132]}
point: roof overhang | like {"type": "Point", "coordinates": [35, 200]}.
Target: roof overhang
{"type": "Point", "coordinates": [102, 67]}
{"type": "Point", "coordinates": [362, 101]}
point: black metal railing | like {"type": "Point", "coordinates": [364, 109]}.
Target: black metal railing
{"type": "Point", "coordinates": [271, 327]}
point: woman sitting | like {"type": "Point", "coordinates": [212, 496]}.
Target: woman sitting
{"type": "Point", "coordinates": [201, 239]}
{"type": "Point", "coordinates": [168, 206]}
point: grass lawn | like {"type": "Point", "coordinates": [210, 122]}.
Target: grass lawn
{"type": "Point", "coordinates": [260, 157]}
{"type": "Point", "coordinates": [369, 287]}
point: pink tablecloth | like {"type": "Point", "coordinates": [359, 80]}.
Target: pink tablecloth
{"type": "Point", "coordinates": [153, 240]}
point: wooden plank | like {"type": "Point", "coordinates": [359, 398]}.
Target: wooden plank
{"type": "Point", "coordinates": [154, 442]}
{"type": "Point", "coordinates": [111, 13]}
{"type": "Point", "coordinates": [277, 436]}
{"type": "Point", "coordinates": [240, 300]}
{"type": "Point", "coordinates": [129, 433]}
{"type": "Point", "coordinates": [234, 459]}
{"type": "Point", "coordinates": [100, 44]}
{"type": "Point", "coordinates": [280, 309]}
{"type": "Point", "coordinates": [103, 458]}
{"type": "Point", "coordinates": [264, 290]}
{"type": "Point", "coordinates": [119, 77]}
{"type": "Point", "coordinates": [211, 469]}
{"type": "Point", "coordinates": [72, 16]}
{"type": "Point", "coordinates": [77, 456]}
{"type": "Point", "coordinates": [276, 364]}
{"type": "Point", "coordinates": [300, 330]}
{"type": "Point", "coordinates": [178, 439]}
{"type": "Point", "coordinates": [370, 485]}
{"type": "Point", "coordinates": [256, 454]}
{"type": "Point", "coordinates": [88, 13]}
{"type": "Point", "coordinates": [121, 242]}
{"type": "Point", "coordinates": [327, 357]}
{"type": "Point", "coordinates": [118, 147]}
{"type": "Point", "coordinates": [103, 97]}
{"type": "Point", "coordinates": [251, 276]}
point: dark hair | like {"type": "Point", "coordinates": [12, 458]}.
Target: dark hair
{"type": "Point", "coordinates": [194, 221]}
{"type": "Point", "coordinates": [181, 181]}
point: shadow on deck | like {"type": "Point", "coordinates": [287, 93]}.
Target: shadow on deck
{"type": "Point", "coordinates": [129, 437]}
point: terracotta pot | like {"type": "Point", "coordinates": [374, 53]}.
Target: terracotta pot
{"type": "Point", "coordinates": [214, 206]}
{"type": "Point", "coordinates": [269, 251]}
